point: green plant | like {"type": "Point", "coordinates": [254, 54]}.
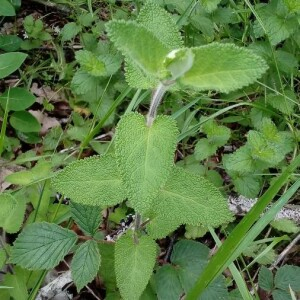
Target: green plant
{"type": "Point", "coordinates": [141, 170]}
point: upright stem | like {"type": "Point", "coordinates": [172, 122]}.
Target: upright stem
{"type": "Point", "coordinates": [155, 101]}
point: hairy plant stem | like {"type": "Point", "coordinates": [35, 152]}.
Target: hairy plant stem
{"type": "Point", "coordinates": [155, 101]}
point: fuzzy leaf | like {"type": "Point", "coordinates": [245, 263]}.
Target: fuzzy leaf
{"type": "Point", "coordinates": [10, 62]}
{"type": "Point", "coordinates": [134, 272]}
{"type": "Point", "coordinates": [11, 213]}
{"type": "Point", "coordinates": [42, 246]}
{"type": "Point", "coordinates": [85, 264]}
{"type": "Point", "coordinates": [265, 279]}
{"type": "Point", "coordinates": [87, 217]}
{"type": "Point", "coordinates": [93, 181]}
{"type": "Point", "coordinates": [288, 276]}
{"type": "Point", "coordinates": [145, 156]}
{"type": "Point", "coordinates": [191, 199]}
{"type": "Point", "coordinates": [167, 283]}
{"type": "Point", "coordinates": [90, 63]}
{"type": "Point", "coordinates": [138, 44]}
{"type": "Point", "coordinates": [223, 67]}
{"type": "Point", "coordinates": [162, 25]}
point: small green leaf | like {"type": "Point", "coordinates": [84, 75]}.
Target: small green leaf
{"type": "Point", "coordinates": [138, 44]}
{"type": "Point", "coordinates": [69, 31]}
{"type": "Point", "coordinates": [281, 103]}
{"type": "Point", "coordinates": [12, 213]}
{"type": "Point", "coordinates": [42, 246]}
{"type": "Point", "coordinates": [210, 5]}
{"type": "Point", "coordinates": [93, 181]}
{"type": "Point", "coordinates": [24, 122]}
{"type": "Point", "coordinates": [10, 62]}
{"type": "Point", "coordinates": [168, 286]}
{"type": "Point", "coordinates": [191, 199]}
{"type": "Point", "coordinates": [145, 156]}
{"type": "Point", "coordinates": [18, 99]}
{"type": "Point", "coordinates": [17, 284]}
{"type": "Point", "coordinates": [87, 217]}
{"type": "Point", "coordinates": [85, 264]}
{"type": "Point", "coordinates": [7, 9]}
{"type": "Point", "coordinates": [10, 43]}
{"type": "Point", "coordinates": [288, 276]}
{"type": "Point", "coordinates": [204, 149]}
{"type": "Point", "coordinates": [83, 83]}
{"type": "Point", "coordinates": [223, 67]}
{"type": "Point", "coordinates": [265, 279]}
{"type": "Point", "coordinates": [134, 264]}
{"type": "Point", "coordinates": [285, 225]}
{"type": "Point", "coordinates": [90, 63]}
{"type": "Point", "coordinates": [248, 185]}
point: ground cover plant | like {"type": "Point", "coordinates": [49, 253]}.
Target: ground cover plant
{"type": "Point", "coordinates": [126, 126]}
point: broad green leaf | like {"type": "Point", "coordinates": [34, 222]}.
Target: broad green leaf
{"type": "Point", "coordinates": [161, 24]}
{"type": "Point", "coordinates": [17, 284]}
{"type": "Point", "coordinates": [69, 31]}
{"type": "Point", "coordinates": [191, 199]}
{"type": "Point", "coordinates": [145, 156]}
{"type": "Point", "coordinates": [204, 148]}
{"type": "Point", "coordinates": [88, 218]}
{"type": "Point", "coordinates": [285, 225]}
{"type": "Point", "coordinates": [134, 264]}
{"type": "Point", "coordinates": [168, 286]}
{"type": "Point", "coordinates": [288, 276]}
{"type": "Point", "coordinates": [139, 45]}
{"type": "Point", "coordinates": [90, 63]}
{"type": "Point", "coordinates": [10, 62]}
{"type": "Point", "coordinates": [24, 122]}
{"type": "Point", "coordinates": [10, 43]}
{"type": "Point", "coordinates": [41, 171]}
{"type": "Point", "coordinates": [281, 103]}
{"type": "Point", "coordinates": [42, 246]}
{"type": "Point", "coordinates": [281, 295]}
{"type": "Point", "coordinates": [18, 99]}
{"type": "Point", "coordinates": [107, 269]}
{"type": "Point", "coordinates": [12, 213]}
{"type": "Point", "coordinates": [223, 67]}
{"type": "Point", "coordinates": [265, 279]}
{"type": "Point", "coordinates": [248, 185]}
{"type": "Point", "coordinates": [190, 258]}
{"type": "Point", "coordinates": [93, 181]}
{"type": "Point", "coordinates": [85, 264]}
{"type": "Point", "coordinates": [210, 5]}
{"type": "Point", "coordinates": [7, 9]}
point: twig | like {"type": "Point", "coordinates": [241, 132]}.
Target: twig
{"type": "Point", "coordinates": [282, 255]}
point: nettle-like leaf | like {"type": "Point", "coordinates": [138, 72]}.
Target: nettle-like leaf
{"type": "Point", "coordinates": [87, 217]}
{"type": "Point", "coordinates": [188, 260]}
{"type": "Point", "coordinates": [93, 181]}
{"type": "Point", "coordinates": [288, 276]}
{"type": "Point", "coordinates": [190, 199]}
{"type": "Point", "coordinates": [145, 156]}
{"type": "Point", "coordinates": [134, 264]}
{"type": "Point", "coordinates": [223, 67]}
{"type": "Point", "coordinates": [90, 63]}
{"type": "Point", "coordinates": [138, 44]}
{"type": "Point", "coordinates": [11, 213]}
{"type": "Point", "coordinates": [85, 264]}
{"type": "Point", "coordinates": [42, 246]}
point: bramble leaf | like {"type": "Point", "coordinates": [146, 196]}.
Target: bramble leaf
{"type": "Point", "coordinates": [223, 67]}
{"type": "Point", "coordinates": [288, 276]}
{"type": "Point", "coordinates": [41, 246]}
{"type": "Point", "coordinates": [134, 272]}
{"type": "Point", "coordinates": [11, 213]}
{"type": "Point", "coordinates": [145, 156]}
{"type": "Point", "coordinates": [90, 63]}
{"type": "Point", "coordinates": [93, 181]}
{"type": "Point", "coordinates": [85, 264]}
{"type": "Point", "coordinates": [87, 217]}
{"type": "Point", "coordinates": [265, 279]}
